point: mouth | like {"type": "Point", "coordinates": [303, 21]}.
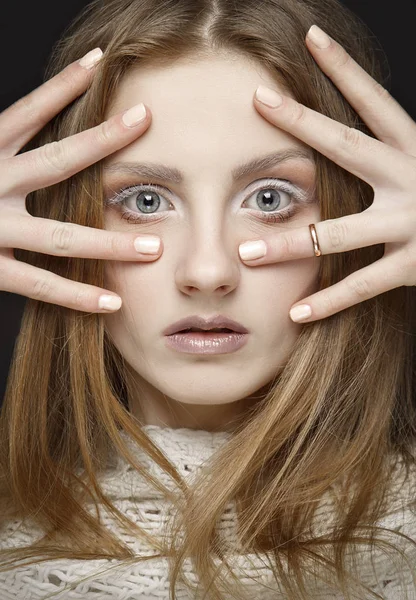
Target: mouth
{"type": "Point", "coordinates": [218, 340]}
{"type": "Point", "coordinates": [204, 331]}
{"type": "Point", "coordinates": [217, 325]}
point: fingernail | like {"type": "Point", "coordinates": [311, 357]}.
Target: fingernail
{"type": "Point", "coordinates": [91, 58]}
{"type": "Point", "coordinates": [318, 37]}
{"type": "Point", "coordinates": [301, 312]}
{"type": "Point", "coordinates": [251, 250]}
{"type": "Point", "coordinates": [148, 245]}
{"type": "Point", "coordinates": [268, 97]}
{"type": "Point", "coordinates": [109, 302]}
{"type": "Point", "coordinates": [134, 115]}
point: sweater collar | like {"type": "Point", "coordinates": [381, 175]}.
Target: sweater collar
{"type": "Point", "coordinates": [186, 448]}
{"type": "Point", "coordinates": [184, 437]}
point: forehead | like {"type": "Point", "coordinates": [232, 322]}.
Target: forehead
{"type": "Point", "coordinates": [202, 109]}
{"type": "Point", "coordinates": [209, 81]}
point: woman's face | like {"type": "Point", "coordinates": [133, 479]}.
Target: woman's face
{"type": "Point", "coordinates": [204, 124]}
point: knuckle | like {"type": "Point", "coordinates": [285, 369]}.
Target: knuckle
{"type": "Point", "coordinates": [337, 235]}
{"type": "Point", "coordinates": [105, 133]}
{"type": "Point", "coordinates": [409, 261]}
{"type": "Point", "coordinates": [287, 246]}
{"type": "Point", "coordinates": [297, 114]}
{"type": "Point", "coordinates": [351, 138]}
{"type": "Point", "coordinates": [41, 289]}
{"type": "Point", "coordinates": [359, 286]}
{"type": "Point", "coordinates": [328, 304]}
{"type": "Point", "coordinates": [68, 77]}
{"type": "Point", "coordinates": [80, 297]}
{"type": "Point", "coordinates": [54, 156]}
{"type": "Point", "coordinates": [61, 238]}
{"type": "Point", "coordinates": [380, 92]}
{"type": "Point", "coordinates": [341, 58]}
{"type": "Point", "coordinates": [111, 244]}
{"type": "Point", "coordinates": [115, 245]}
{"type": "Point", "coordinates": [27, 105]}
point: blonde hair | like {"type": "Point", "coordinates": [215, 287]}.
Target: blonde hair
{"type": "Point", "coordinates": [340, 413]}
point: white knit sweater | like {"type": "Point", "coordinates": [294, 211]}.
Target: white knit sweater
{"type": "Point", "coordinates": [188, 449]}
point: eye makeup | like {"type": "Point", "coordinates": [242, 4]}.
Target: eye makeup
{"type": "Point", "coordinates": [271, 186]}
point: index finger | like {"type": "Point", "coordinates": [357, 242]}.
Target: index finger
{"type": "Point", "coordinates": [56, 161]}
{"type": "Point", "coordinates": [367, 158]}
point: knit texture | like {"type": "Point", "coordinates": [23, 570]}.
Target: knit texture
{"type": "Point", "coordinates": [188, 449]}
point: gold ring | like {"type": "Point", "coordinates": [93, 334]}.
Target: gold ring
{"type": "Point", "coordinates": [316, 247]}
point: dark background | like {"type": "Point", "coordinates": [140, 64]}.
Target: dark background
{"type": "Point", "coordinates": [28, 31]}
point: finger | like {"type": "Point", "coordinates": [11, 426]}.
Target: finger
{"type": "Point", "coordinates": [20, 278]}
{"type": "Point", "coordinates": [377, 278]}
{"type": "Point", "coordinates": [389, 122]}
{"type": "Point", "coordinates": [69, 239]}
{"type": "Point", "coordinates": [26, 117]}
{"type": "Point", "coordinates": [57, 161]}
{"type": "Point", "coordinates": [358, 230]}
{"type": "Point", "coordinates": [367, 158]}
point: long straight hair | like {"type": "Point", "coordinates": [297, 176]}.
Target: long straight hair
{"type": "Point", "coordinates": [340, 414]}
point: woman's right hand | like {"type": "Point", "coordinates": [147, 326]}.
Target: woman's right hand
{"type": "Point", "coordinates": [45, 166]}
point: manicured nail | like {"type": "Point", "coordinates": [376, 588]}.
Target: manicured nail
{"type": "Point", "coordinates": [268, 97]}
{"type": "Point", "coordinates": [147, 245]}
{"type": "Point", "coordinates": [134, 115]}
{"type": "Point", "coordinates": [91, 59]}
{"type": "Point", "coordinates": [318, 37]}
{"type": "Point", "coordinates": [252, 250]}
{"type": "Point", "coordinates": [109, 302]}
{"type": "Point", "coordinates": [301, 312]}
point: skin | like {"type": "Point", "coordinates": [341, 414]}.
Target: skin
{"type": "Point", "coordinates": [204, 123]}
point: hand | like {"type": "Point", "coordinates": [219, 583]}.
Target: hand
{"type": "Point", "coordinates": [45, 166]}
{"type": "Point", "coordinates": [388, 164]}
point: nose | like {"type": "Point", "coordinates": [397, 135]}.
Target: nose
{"type": "Point", "coordinates": [210, 264]}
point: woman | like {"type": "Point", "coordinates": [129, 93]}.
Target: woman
{"type": "Point", "coordinates": [276, 460]}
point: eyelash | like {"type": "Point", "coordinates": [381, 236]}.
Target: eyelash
{"type": "Point", "coordinates": [273, 217]}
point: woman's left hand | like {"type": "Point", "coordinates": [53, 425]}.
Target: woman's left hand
{"type": "Point", "coordinates": [388, 164]}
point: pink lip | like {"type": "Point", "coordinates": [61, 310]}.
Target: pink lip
{"type": "Point", "coordinates": [206, 343]}
{"type": "Point", "coordinates": [200, 322]}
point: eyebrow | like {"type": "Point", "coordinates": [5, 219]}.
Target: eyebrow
{"type": "Point", "coordinates": [159, 171]}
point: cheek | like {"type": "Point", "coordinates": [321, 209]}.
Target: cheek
{"type": "Point", "coordinates": [126, 327]}
{"type": "Point", "coordinates": [144, 291]}
{"type": "Point", "coordinates": [286, 284]}
{"type": "Point", "coordinates": [136, 280]}
{"type": "Point", "coordinates": [290, 281]}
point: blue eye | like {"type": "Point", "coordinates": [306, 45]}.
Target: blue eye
{"type": "Point", "coordinates": [269, 196]}
{"type": "Point", "coordinates": [147, 200]}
